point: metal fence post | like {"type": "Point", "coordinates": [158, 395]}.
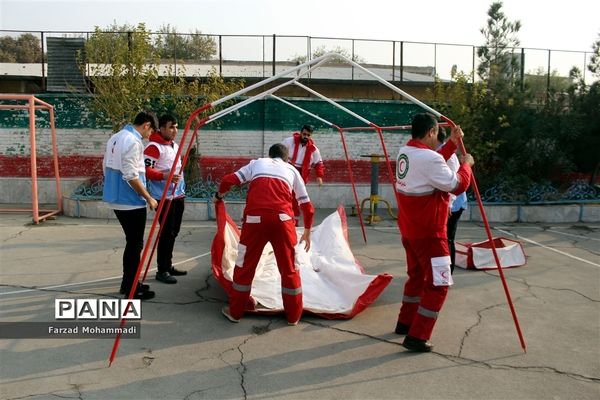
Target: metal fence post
{"type": "Point", "coordinates": [43, 64]}
{"type": "Point", "coordinates": [353, 60]}
{"type": "Point", "coordinates": [393, 59]}
{"type": "Point", "coordinates": [584, 64]}
{"type": "Point", "coordinates": [522, 69]}
{"type": "Point", "coordinates": [435, 70]}
{"type": "Point", "coordinates": [175, 54]}
{"type": "Point", "coordinates": [548, 80]}
{"type": "Point", "coordinates": [473, 66]}
{"type": "Point", "coordinates": [220, 56]}
{"type": "Point", "coordinates": [402, 61]}
{"type": "Point", "coordinates": [129, 48]}
{"type": "Point", "coordinates": [274, 54]}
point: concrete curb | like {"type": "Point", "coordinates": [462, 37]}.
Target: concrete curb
{"type": "Point", "coordinates": [330, 195]}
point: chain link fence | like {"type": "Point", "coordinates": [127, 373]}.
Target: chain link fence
{"type": "Point", "coordinates": [262, 56]}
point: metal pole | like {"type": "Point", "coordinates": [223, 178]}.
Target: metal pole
{"type": "Point", "coordinates": [87, 58]}
{"type": "Point", "coordinates": [351, 175]}
{"type": "Point", "coordinates": [461, 147]}
{"type": "Point", "coordinates": [175, 54]}
{"type": "Point", "coordinates": [353, 60]}
{"type": "Point", "coordinates": [43, 64]}
{"type": "Point", "coordinates": [220, 56]}
{"type": "Point", "coordinates": [308, 53]}
{"type": "Point", "coordinates": [199, 122]}
{"type": "Point", "coordinates": [584, 64]}
{"type": "Point", "coordinates": [548, 79]}
{"type": "Point", "coordinates": [274, 53]}
{"type": "Point", "coordinates": [393, 60]}
{"type": "Point", "coordinates": [522, 69]}
{"type": "Point", "coordinates": [473, 66]}
{"type": "Point", "coordinates": [401, 61]}
{"type": "Point", "coordinates": [435, 70]}
{"type": "Point", "coordinates": [33, 157]}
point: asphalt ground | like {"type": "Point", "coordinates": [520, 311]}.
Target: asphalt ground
{"type": "Point", "coordinates": [188, 350]}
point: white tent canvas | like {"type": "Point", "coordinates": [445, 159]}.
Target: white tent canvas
{"type": "Point", "coordinates": [334, 284]}
{"type": "Point", "coordinates": [480, 256]}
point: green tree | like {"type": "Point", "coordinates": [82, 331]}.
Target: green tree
{"type": "Point", "coordinates": [126, 75]}
{"type": "Point", "coordinates": [515, 140]}
{"type": "Point", "coordinates": [584, 106]}
{"type": "Point", "coordinates": [594, 65]}
{"type": "Point", "coordinates": [497, 62]}
{"type": "Point", "coordinates": [192, 46]}
{"type": "Point", "coordinates": [24, 49]}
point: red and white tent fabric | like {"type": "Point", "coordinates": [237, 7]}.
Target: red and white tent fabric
{"type": "Point", "coordinates": [479, 255]}
{"type": "Point", "coordinates": [334, 284]}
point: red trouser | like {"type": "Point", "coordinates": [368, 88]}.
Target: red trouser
{"type": "Point", "coordinates": [422, 300]}
{"type": "Point", "coordinates": [257, 230]}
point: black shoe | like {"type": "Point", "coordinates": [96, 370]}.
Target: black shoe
{"type": "Point", "coordinates": [401, 329]}
{"type": "Point", "coordinates": [143, 295]}
{"type": "Point", "coordinates": [141, 286]}
{"type": "Point", "coordinates": [164, 277]}
{"type": "Point", "coordinates": [176, 272]}
{"type": "Point", "coordinates": [419, 345]}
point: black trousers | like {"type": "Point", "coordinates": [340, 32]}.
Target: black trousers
{"type": "Point", "coordinates": [133, 223]}
{"type": "Point", "coordinates": [452, 225]}
{"type": "Point", "coordinates": [169, 231]}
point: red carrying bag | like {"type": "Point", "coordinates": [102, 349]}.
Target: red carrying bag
{"type": "Point", "coordinates": [480, 256]}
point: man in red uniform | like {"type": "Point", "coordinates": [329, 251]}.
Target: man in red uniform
{"type": "Point", "coordinates": [423, 183]}
{"type": "Point", "coordinates": [159, 157]}
{"type": "Point", "coordinates": [304, 155]}
{"type": "Point", "coordinates": [268, 217]}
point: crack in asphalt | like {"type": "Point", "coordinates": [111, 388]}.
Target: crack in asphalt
{"type": "Point", "coordinates": [530, 286]}
{"type": "Point", "coordinates": [110, 255]}
{"type": "Point", "coordinates": [241, 369]}
{"type": "Point", "coordinates": [77, 387]}
{"type": "Point", "coordinates": [16, 235]}
{"type": "Point", "coordinates": [206, 287]}
{"type": "Point", "coordinates": [466, 361]}
{"type": "Point", "coordinates": [190, 394]}
{"type": "Point", "coordinates": [534, 368]}
{"type": "Point", "coordinates": [475, 325]}
{"type": "Point", "coordinates": [74, 386]}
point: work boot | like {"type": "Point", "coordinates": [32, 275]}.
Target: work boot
{"type": "Point", "coordinates": [144, 295]}
{"type": "Point", "coordinates": [176, 272]}
{"type": "Point", "coordinates": [164, 277]}
{"type": "Point", "coordinates": [141, 286]}
{"type": "Point", "coordinates": [418, 345]}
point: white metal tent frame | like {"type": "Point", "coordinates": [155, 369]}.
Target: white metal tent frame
{"type": "Point", "coordinates": [296, 73]}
